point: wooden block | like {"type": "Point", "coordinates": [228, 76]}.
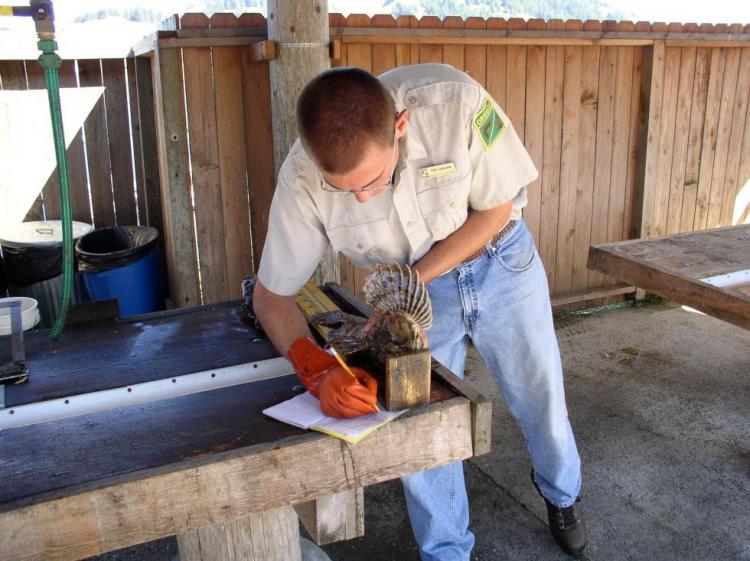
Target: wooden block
{"type": "Point", "coordinates": [334, 518]}
{"type": "Point", "coordinates": [407, 380]}
{"type": "Point", "coordinates": [272, 535]}
{"type": "Point", "coordinates": [263, 51]}
{"type": "Point", "coordinates": [335, 49]}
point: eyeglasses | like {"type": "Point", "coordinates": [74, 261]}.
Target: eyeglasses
{"type": "Point", "coordinates": [331, 189]}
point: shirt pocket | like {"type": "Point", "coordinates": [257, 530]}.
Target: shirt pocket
{"type": "Point", "coordinates": [443, 201]}
{"type": "Point", "coordinates": [363, 244]}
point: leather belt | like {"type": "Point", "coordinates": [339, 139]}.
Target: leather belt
{"type": "Point", "coordinates": [504, 232]}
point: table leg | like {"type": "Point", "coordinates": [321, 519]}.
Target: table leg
{"type": "Point", "coordinates": [334, 518]}
{"type": "Point", "coordinates": [272, 535]}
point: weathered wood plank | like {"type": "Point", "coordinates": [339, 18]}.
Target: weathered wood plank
{"type": "Point", "coordinates": [695, 137]}
{"type": "Point", "coordinates": [134, 123]}
{"type": "Point", "coordinates": [553, 117]}
{"type": "Point", "coordinates": [20, 74]}
{"type": "Point", "coordinates": [620, 145]}
{"type": "Point", "coordinates": [655, 78]}
{"type": "Point", "coordinates": [230, 110]}
{"type": "Point", "coordinates": [13, 75]}
{"type": "Point", "coordinates": [724, 129]}
{"type": "Point", "coordinates": [710, 132]}
{"type": "Point", "coordinates": [667, 135]}
{"type": "Point", "coordinates": [497, 65]}
{"type": "Point", "coordinates": [430, 52]}
{"type": "Point", "coordinates": [405, 53]}
{"type": "Point", "coordinates": [453, 54]}
{"type": "Point", "coordinates": [731, 202]}
{"type": "Point", "coordinates": [256, 91]}
{"type": "Point", "coordinates": [571, 127]}
{"type": "Point", "coordinates": [205, 166]}
{"type": "Point", "coordinates": [515, 97]}
{"type": "Point", "coordinates": [97, 149]}
{"type": "Point", "coordinates": [228, 485]}
{"type": "Point", "coordinates": [334, 518]}
{"type": "Point", "coordinates": [118, 131]}
{"type": "Point", "coordinates": [680, 148]}
{"type": "Point", "coordinates": [636, 114]}
{"type": "Point", "coordinates": [475, 56]}
{"type": "Point", "coordinates": [179, 233]}
{"type": "Point", "coordinates": [534, 134]}
{"type": "Point", "coordinates": [672, 266]}
{"type": "Point", "coordinates": [148, 179]}
{"type": "Point", "coordinates": [359, 54]}
{"type": "Point", "coordinates": [586, 165]}
{"type": "Point", "coordinates": [383, 56]}
{"type": "Point", "coordinates": [271, 535]}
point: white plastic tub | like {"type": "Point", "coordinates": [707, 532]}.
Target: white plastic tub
{"type": "Point", "coordinates": [29, 314]}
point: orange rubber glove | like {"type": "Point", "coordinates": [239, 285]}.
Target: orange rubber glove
{"type": "Point", "coordinates": [340, 393]}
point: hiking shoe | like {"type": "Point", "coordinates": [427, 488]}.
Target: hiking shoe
{"type": "Point", "coordinates": [567, 527]}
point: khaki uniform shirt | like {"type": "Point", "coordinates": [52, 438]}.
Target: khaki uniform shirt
{"type": "Point", "coordinates": [460, 152]}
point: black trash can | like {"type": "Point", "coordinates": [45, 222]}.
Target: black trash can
{"type": "Point", "coordinates": [123, 263]}
{"type": "Point", "coordinates": [32, 255]}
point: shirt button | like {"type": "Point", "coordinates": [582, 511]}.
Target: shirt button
{"type": "Point", "coordinates": [453, 205]}
{"type": "Point", "coordinates": [412, 99]}
{"type": "Point", "coordinates": [360, 246]}
{"type": "Point", "coordinates": [411, 224]}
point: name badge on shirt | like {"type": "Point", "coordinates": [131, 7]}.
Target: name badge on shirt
{"type": "Point", "coordinates": [437, 171]}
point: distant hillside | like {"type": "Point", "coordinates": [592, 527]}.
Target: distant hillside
{"type": "Point", "coordinates": [545, 9]}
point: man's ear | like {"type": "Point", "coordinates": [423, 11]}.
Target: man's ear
{"type": "Point", "coordinates": [402, 123]}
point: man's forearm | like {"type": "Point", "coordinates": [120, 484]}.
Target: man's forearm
{"type": "Point", "coordinates": [478, 229]}
{"type": "Point", "coordinates": [280, 317]}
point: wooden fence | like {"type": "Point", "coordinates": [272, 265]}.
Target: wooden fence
{"type": "Point", "coordinates": [111, 180]}
{"type": "Point", "coordinates": [636, 129]}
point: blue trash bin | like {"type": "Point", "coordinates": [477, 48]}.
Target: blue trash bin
{"type": "Point", "coordinates": [123, 263]}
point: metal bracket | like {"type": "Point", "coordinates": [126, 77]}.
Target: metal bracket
{"type": "Point", "coordinates": [17, 372]}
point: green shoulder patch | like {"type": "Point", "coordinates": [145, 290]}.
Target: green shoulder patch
{"type": "Point", "coordinates": [489, 124]}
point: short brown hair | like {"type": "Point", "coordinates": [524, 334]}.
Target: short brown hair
{"type": "Point", "coordinates": [338, 112]}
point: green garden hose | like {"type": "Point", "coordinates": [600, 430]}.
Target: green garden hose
{"type": "Point", "coordinates": [50, 62]}
{"type": "Point", "coordinates": [42, 13]}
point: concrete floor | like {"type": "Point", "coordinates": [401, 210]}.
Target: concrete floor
{"type": "Point", "coordinates": [659, 400]}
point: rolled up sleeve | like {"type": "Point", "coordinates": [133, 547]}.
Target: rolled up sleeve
{"type": "Point", "coordinates": [295, 242]}
{"type": "Point", "coordinates": [500, 163]}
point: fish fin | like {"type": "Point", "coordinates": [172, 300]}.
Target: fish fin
{"type": "Point", "coordinates": [329, 319]}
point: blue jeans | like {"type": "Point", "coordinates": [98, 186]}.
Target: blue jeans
{"type": "Point", "coordinates": [500, 303]}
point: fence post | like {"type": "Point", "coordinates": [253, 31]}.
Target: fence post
{"type": "Point", "coordinates": [300, 30]}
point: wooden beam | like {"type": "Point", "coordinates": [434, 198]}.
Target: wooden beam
{"type": "Point", "coordinates": [490, 40]}
{"type": "Point", "coordinates": [300, 30]}
{"type": "Point", "coordinates": [583, 296]}
{"type": "Point", "coordinates": [179, 234]}
{"type": "Point", "coordinates": [262, 51]}
{"type": "Point", "coordinates": [272, 535]}
{"type": "Point", "coordinates": [651, 157]}
{"type": "Point", "coordinates": [334, 518]}
{"type": "Point", "coordinates": [215, 489]}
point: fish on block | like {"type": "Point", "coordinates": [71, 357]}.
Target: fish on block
{"type": "Point", "coordinates": [394, 335]}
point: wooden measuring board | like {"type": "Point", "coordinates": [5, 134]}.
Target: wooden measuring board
{"type": "Point", "coordinates": [311, 300]}
{"type": "Point", "coordinates": [406, 376]}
